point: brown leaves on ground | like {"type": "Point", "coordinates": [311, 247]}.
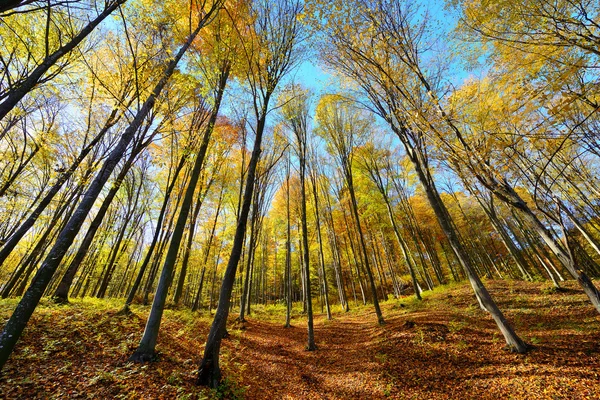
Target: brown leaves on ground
{"type": "Point", "coordinates": [444, 347]}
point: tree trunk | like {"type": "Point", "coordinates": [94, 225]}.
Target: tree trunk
{"type": "Point", "coordinates": [207, 250]}
{"type": "Point", "coordinates": [157, 231]}
{"type": "Point", "coordinates": [513, 341]}
{"type": "Point", "coordinates": [306, 257]}
{"type": "Point", "coordinates": [190, 240]}
{"type": "Point", "coordinates": [354, 206]}
{"type": "Point", "coordinates": [209, 372]}
{"type": "Point", "coordinates": [245, 297]}
{"type": "Point", "coordinates": [288, 250]}
{"type": "Point", "coordinates": [146, 349]}
{"type": "Point", "coordinates": [320, 240]}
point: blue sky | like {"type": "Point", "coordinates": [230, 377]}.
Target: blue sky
{"type": "Point", "coordinates": [313, 76]}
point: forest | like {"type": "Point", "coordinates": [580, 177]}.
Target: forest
{"type": "Point", "coordinates": [299, 199]}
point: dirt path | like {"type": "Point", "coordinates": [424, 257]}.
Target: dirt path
{"type": "Point", "coordinates": [445, 353]}
{"type": "Point", "coordinates": [344, 365]}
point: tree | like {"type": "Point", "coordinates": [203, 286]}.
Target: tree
{"type": "Point", "coordinates": [295, 110]}
{"type": "Point", "coordinates": [270, 53]}
{"type": "Point", "coordinates": [18, 320]}
{"type": "Point", "coordinates": [377, 67]}
{"type": "Point", "coordinates": [343, 126]}
{"type": "Point", "coordinates": [174, 171]}
{"type": "Point", "coordinates": [313, 174]}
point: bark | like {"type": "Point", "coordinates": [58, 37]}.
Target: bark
{"type": "Point", "coordinates": [276, 25]}
{"type": "Point", "coordinates": [28, 264]}
{"type": "Point", "coordinates": [506, 240]}
{"type": "Point", "coordinates": [584, 232]}
{"type": "Point", "coordinates": [354, 258]}
{"type": "Point", "coordinates": [568, 262]}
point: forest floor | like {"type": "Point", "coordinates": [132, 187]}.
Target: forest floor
{"type": "Point", "coordinates": [444, 347]}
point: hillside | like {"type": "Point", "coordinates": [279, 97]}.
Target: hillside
{"type": "Point", "coordinates": [443, 347]}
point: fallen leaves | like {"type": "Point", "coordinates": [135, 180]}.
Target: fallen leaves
{"type": "Point", "coordinates": [442, 348]}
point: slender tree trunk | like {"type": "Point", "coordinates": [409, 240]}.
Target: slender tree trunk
{"type": "Point", "coordinates": [320, 240]}
{"type": "Point", "coordinates": [513, 341]}
{"type": "Point", "coordinates": [245, 297]}
{"type": "Point", "coordinates": [506, 240]}
{"type": "Point", "coordinates": [584, 232]}
{"type": "Point", "coordinates": [337, 264]}
{"type": "Point", "coordinates": [568, 261]}
{"type": "Point", "coordinates": [207, 250]}
{"type": "Point", "coordinates": [354, 258]}
{"type": "Point", "coordinates": [61, 295]}
{"type": "Point", "coordinates": [28, 264]}
{"type": "Point", "coordinates": [117, 250]}
{"type": "Point", "coordinates": [354, 206]}
{"type": "Point", "coordinates": [15, 174]}
{"type": "Point", "coordinates": [288, 250]}
{"type": "Point", "coordinates": [146, 349]}
{"type": "Point", "coordinates": [306, 257]}
{"type": "Point", "coordinates": [403, 247]}
{"type": "Point", "coordinates": [214, 279]}
{"type": "Point", "coordinates": [190, 240]}
{"type": "Point", "coordinates": [209, 373]}
{"type": "Point", "coordinates": [155, 237]}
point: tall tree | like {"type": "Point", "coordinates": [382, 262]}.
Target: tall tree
{"type": "Point", "coordinates": [18, 320]}
{"type": "Point", "coordinates": [343, 126]}
{"type": "Point", "coordinates": [372, 161]}
{"type": "Point", "coordinates": [295, 110]}
{"type": "Point", "coordinates": [271, 52]}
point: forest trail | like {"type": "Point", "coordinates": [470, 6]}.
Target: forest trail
{"type": "Point", "coordinates": [424, 353]}
{"type": "Point", "coordinates": [444, 348]}
{"type": "Point", "coordinates": [343, 366]}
